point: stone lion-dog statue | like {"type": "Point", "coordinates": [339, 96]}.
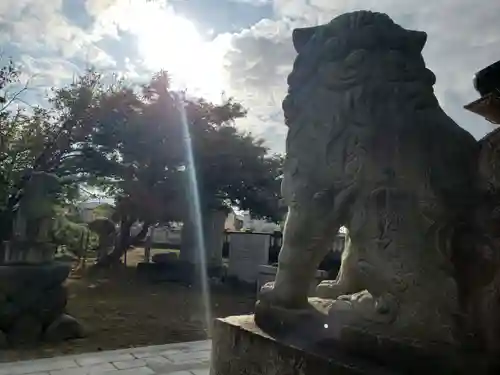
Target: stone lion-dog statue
{"type": "Point", "coordinates": [369, 148]}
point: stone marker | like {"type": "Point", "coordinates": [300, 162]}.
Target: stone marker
{"type": "Point", "coordinates": [213, 233]}
{"type": "Point", "coordinates": [65, 327]}
{"type": "Point", "coordinates": [246, 253]}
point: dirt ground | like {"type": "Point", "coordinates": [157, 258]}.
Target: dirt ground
{"type": "Point", "coordinates": [120, 311]}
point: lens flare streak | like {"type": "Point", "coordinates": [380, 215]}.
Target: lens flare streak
{"type": "Point", "coordinates": [196, 213]}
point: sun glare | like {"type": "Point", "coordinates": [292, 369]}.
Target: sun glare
{"type": "Point", "coordinates": [172, 42]}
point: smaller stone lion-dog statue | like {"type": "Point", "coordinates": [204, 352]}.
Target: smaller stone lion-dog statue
{"type": "Point", "coordinates": [369, 148]}
{"type": "Point", "coordinates": [35, 215]}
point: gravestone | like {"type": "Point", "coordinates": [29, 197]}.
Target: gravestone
{"type": "Point", "coordinates": [213, 236]}
{"type": "Point", "coordinates": [246, 253]}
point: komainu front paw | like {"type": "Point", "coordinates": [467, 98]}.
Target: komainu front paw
{"type": "Point", "coordinates": [266, 293]}
{"type": "Point", "coordinates": [284, 297]}
{"type": "Point", "coordinates": [330, 289]}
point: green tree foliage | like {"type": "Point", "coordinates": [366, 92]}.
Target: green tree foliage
{"type": "Point", "coordinates": [41, 139]}
{"type": "Point", "coordinates": [137, 152]}
{"type": "Point", "coordinates": [130, 142]}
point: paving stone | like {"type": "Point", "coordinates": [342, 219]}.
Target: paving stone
{"type": "Point", "coordinates": [134, 371]}
{"type": "Point", "coordinates": [168, 353]}
{"type": "Point", "coordinates": [32, 367]}
{"type": "Point", "coordinates": [158, 360]}
{"type": "Point", "coordinates": [152, 351]}
{"type": "Point", "coordinates": [101, 368]}
{"type": "Point", "coordinates": [123, 365]}
{"type": "Point", "coordinates": [189, 356]}
{"type": "Point", "coordinates": [204, 371]}
{"type": "Point", "coordinates": [142, 355]}
{"type": "Point", "coordinates": [171, 359]}
{"type": "Point", "coordinates": [161, 366]}
{"type": "Point", "coordinates": [94, 359]}
{"type": "Point", "coordinates": [190, 362]}
{"type": "Point", "coordinates": [199, 345]}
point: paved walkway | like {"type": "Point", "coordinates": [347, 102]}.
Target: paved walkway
{"type": "Point", "coordinates": [191, 358]}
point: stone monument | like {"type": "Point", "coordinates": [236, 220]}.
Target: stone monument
{"type": "Point", "coordinates": [369, 148]}
{"type": "Point", "coordinates": [247, 252]}
{"type": "Point", "coordinates": [106, 231]}
{"type": "Point", "coordinates": [32, 295]}
{"type": "Point", "coordinates": [190, 258]}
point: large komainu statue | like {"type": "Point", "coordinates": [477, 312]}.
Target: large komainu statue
{"type": "Point", "coordinates": [369, 148]}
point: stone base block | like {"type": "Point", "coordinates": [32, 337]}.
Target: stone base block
{"type": "Point", "coordinates": [33, 303]}
{"type": "Point", "coordinates": [240, 347]}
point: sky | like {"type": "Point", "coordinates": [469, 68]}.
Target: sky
{"type": "Point", "coordinates": [241, 48]}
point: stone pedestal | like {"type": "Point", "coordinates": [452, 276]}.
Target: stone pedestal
{"type": "Point", "coordinates": [33, 302]}
{"type": "Point", "coordinates": [24, 252]}
{"type": "Point", "coordinates": [240, 347]}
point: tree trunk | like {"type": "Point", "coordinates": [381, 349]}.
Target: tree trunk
{"type": "Point", "coordinates": [124, 242]}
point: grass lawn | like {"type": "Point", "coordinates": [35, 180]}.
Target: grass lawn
{"type": "Point", "coordinates": [120, 311]}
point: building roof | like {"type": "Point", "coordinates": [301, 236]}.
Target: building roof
{"type": "Point", "coordinates": [488, 107]}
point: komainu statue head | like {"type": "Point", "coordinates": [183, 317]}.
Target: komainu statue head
{"type": "Point", "coordinates": [369, 148]}
{"type": "Point", "coordinates": [36, 210]}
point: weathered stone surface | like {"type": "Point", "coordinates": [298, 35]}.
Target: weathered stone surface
{"type": "Point", "coordinates": [18, 252]}
{"type": "Point", "coordinates": [26, 330]}
{"type": "Point", "coordinates": [52, 304]}
{"type": "Point", "coordinates": [32, 289]}
{"type": "Point", "coordinates": [65, 327]}
{"type": "Point", "coordinates": [370, 148]}
{"type": "Point", "coordinates": [247, 252]}
{"type": "Point", "coordinates": [15, 277]}
{"type": "Point", "coordinates": [33, 298]}
{"type": "Point", "coordinates": [213, 232]}
{"type": "Point", "coordinates": [240, 347]}
{"type": "Point", "coordinates": [35, 215]}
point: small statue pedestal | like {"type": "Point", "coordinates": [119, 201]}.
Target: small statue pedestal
{"type": "Point", "coordinates": [240, 347]}
{"type": "Point", "coordinates": [33, 297]}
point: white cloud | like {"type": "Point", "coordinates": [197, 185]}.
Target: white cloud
{"type": "Point", "coordinates": [40, 28]}
{"type": "Point", "coordinates": [256, 3]}
{"type": "Point", "coordinates": [463, 38]}
{"type": "Point", "coordinates": [42, 67]}
{"type": "Point", "coordinates": [250, 65]}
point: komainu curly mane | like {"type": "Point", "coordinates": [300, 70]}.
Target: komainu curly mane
{"type": "Point", "coordinates": [360, 93]}
{"type": "Point", "coordinates": [370, 148]}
